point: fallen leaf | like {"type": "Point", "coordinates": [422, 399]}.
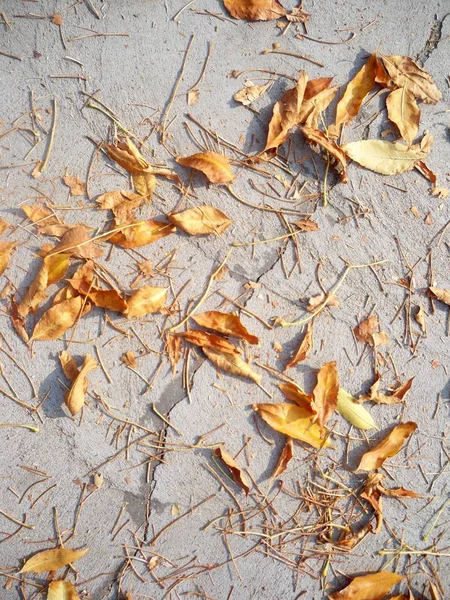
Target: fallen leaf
{"type": "Point", "coordinates": [141, 233]}
{"type": "Point", "coordinates": [380, 338]}
{"type": "Point", "coordinates": [316, 301]}
{"type": "Point", "coordinates": [58, 319]}
{"type": "Point", "coordinates": [404, 113]}
{"type": "Point", "coordinates": [215, 166]}
{"type": "Point", "coordinates": [69, 366]}
{"type": "Point", "coordinates": [76, 185]}
{"type": "Point", "coordinates": [123, 204]}
{"type": "Point", "coordinates": [202, 220]}
{"type": "Point", "coordinates": [62, 590]}
{"type": "Point", "coordinates": [440, 192]}
{"type": "Point", "coordinates": [440, 294]}
{"type": "Point", "coordinates": [387, 158]}
{"type": "Point", "coordinates": [294, 393]}
{"type": "Point", "coordinates": [317, 140]}
{"type": "Point", "coordinates": [77, 242]}
{"type": "Point", "coordinates": [250, 92]}
{"type": "Point", "coordinates": [52, 270]}
{"type": "Point", "coordinates": [193, 97]}
{"type": "Point", "coordinates": [294, 421]}
{"type": "Point", "coordinates": [129, 359]}
{"type": "Point", "coordinates": [419, 316]}
{"type": "Point", "coordinates": [395, 397]}
{"type": "Point", "coordinates": [239, 477]}
{"type": "Point", "coordinates": [283, 460]}
{"type": "Point", "coordinates": [109, 299]}
{"type": "Point", "coordinates": [4, 225]}
{"type": "Point", "coordinates": [404, 72]}
{"type": "Point", "coordinates": [75, 398]}
{"type": "Point", "coordinates": [353, 412]}
{"type": "Point", "coordinates": [57, 19]}
{"type": "Point", "coordinates": [18, 322]}
{"type": "Point", "coordinates": [231, 363]}
{"type": "Point", "coordinates": [51, 560]}
{"type": "Point", "coordinates": [146, 300]}
{"type": "Point", "coordinates": [325, 394]}
{"type": "Point", "coordinates": [365, 330]}
{"type": "Point", "coordinates": [306, 225]}
{"type": "Point", "coordinates": [208, 340]}
{"type": "Point", "coordinates": [6, 249]}
{"type": "Point", "coordinates": [126, 154]}
{"type": "Point", "coordinates": [388, 447]}
{"type": "Point", "coordinates": [373, 586]}
{"type": "Point", "coordinates": [226, 323]}
{"type": "Point", "coordinates": [305, 347]}
{"type": "Point", "coordinates": [173, 347]}
{"type": "Point", "coordinates": [255, 10]}
{"type": "Point", "coordinates": [311, 110]}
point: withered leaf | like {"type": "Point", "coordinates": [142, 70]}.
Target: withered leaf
{"type": "Point", "coordinates": [126, 154]}
{"type": "Point", "coordinates": [122, 203]}
{"type": "Point", "coordinates": [231, 363]}
{"type": "Point", "coordinates": [239, 477]}
{"type": "Point", "coordinates": [316, 301]}
{"type": "Point", "coordinates": [250, 92]}
{"type": "Point", "coordinates": [286, 114]}
{"type": "Point", "coordinates": [305, 347]}
{"type": "Point", "coordinates": [208, 340]}
{"type": "Point", "coordinates": [18, 322]}
{"type": "Point", "coordinates": [388, 447]}
{"type": "Point", "coordinates": [355, 92]}
{"type": "Point", "coordinates": [419, 316]}
{"type": "Point", "coordinates": [387, 158]}
{"type": "Point", "coordinates": [215, 166]}
{"type": "Point", "coordinates": [202, 220]}
{"type": "Point", "coordinates": [51, 560]}
{"type": "Point", "coordinates": [76, 185]}
{"type": "Point", "coordinates": [75, 398]}
{"type": "Point", "coordinates": [62, 590]}
{"type": "Point", "coordinates": [52, 270]}
{"type": "Point", "coordinates": [365, 330]}
{"type": "Point", "coordinates": [325, 394]}
{"type": "Point", "coordinates": [294, 393]}
{"type": "Point", "coordinates": [110, 299]}
{"type": "Point", "coordinates": [77, 242]}
{"type": "Point", "coordinates": [141, 233]}
{"type": "Point", "coordinates": [311, 110]}
{"type": "Point", "coordinates": [6, 249]}
{"type": "Point", "coordinates": [4, 225]}
{"type": "Point", "coordinates": [354, 413]}
{"type": "Point", "coordinates": [294, 421]}
{"type": "Point", "coordinates": [129, 359]}
{"type": "Point", "coordinates": [441, 294]}
{"type": "Point", "coordinates": [173, 347]}
{"type": "Point", "coordinates": [283, 460]}
{"type": "Point", "coordinates": [226, 323]}
{"type": "Point", "coordinates": [373, 586]}
{"type": "Point", "coordinates": [69, 366]}
{"type": "Point", "coordinates": [146, 300]}
{"type": "Point", "coordinates": [255, 10]}
{"type": "Point", "coordinates": [306, 225]}
{"type": "Point", "coordinates": [317, 140]}
{"type": "Point", "coordinates": [58, 319]}
{"type": "Point", "coordinates": [404, 113]}
{"type": "Point", "coordinates": [394, 397]}
{"type": "Point", "coordinates": [404, 72]}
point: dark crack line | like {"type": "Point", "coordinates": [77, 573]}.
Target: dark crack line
{"type": "Point", "coordinates": [432, 42]}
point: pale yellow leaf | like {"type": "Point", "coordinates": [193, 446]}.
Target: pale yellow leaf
{"type": "Point", "coordinates": [387, 158]}
{"type": "Point", "coordinates": [51, 560]}
{"type": "Point", "coordinates": [353, 412]}
{"type": "Point", "coordinates": [62, 590]}
{"type": "Point", "coordinates": [202, 220]}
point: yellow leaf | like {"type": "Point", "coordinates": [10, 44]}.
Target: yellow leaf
{"type": "Point", "coordinates": [305, 347]}
{"type": "Point", "coordinates": [58, 319]}
{"type": "Point", "coordinates": [62, 590]}
{"type": "Point", "coordinates": [311, 110]}
{"type": "Point", "coordinates": [52, 270]}
{"type": "Point", "coordinates": [403, 111]}
{"type": "Point", "coordinates": [51, 560]}
{"type": "Point", "coordinates": [325, 394]}
{"type": "Point", "coordinates": [75, 398]}
{"type": "Point", "coordinates": [69, 366]}
{"type": "Point", "coordinates": [255, 10]}
{"type": "Point", "coordinates": [208, 340]}
{"type": "Point", "coordinates": [373, 586]}
{"type": "Point", "coordinates": [387, 158]}
{"type": "Point", "coordinates": [144, 183]}
{"type": "Point", "coordinates": [146, 300]}
{"type": "Point", "coordinates": [76, 185]}
{"type": "Point", "coordinates": [297, 395]}
{"type": "Point", "coordinates": [404, 72]}
{"type": "Point", "coordinates": [202, 220]}
{"type": "Point", "coordinates": [388, 447]}
{"type": "Point", "coordinates": [110, 299]}
{"type": "Point", "coordinates": [226, 323]}
{"type": "Point", "coordinates": [239, 477]}
{"type": "Point", "coordinates": [355, 92]}
{"type": "Point", "coordinates": [353, 412]}
{"type": "Point", "coordinates": [294, 421]}
{"type": "Point", "coordinates": [231, 363]}
{"type": "Point", "coordinates": [5, 254]}
{"type": "Point", "coordinates": [141, 234]}
{"type": "Point", "coordinates": [215, 166]}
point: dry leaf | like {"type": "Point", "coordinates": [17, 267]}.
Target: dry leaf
{"type": "Point", "coordinates": [57, 19]}
{"type": "Point", "coordinates": [62, 590]}
{"type": "Point", "coordinates": [294, 421]}
{"type": "Point", "coordinates": [193, 97]}
{"type": "Point", "coordinates": [77, 242]}
{"type": "Point", "coordinates": [440, 192]}
{"type": "Point", "coordinates": [250, 93]}
{"type": "Point", "coordinates": [255, 10]}
{"type": "Point", "coordinates": [141, 233]}
{"type": "Point", "coordinates": [215, 166]}
{"type": "Point", "coordinates": [226, 323]}
{"type": "Point", "coordinates": [294, 393]}
{"type": "Point", "coordinates": [4, 225]}
{"type": "Point", "coordinates": [286, 114]}
{"type": "Point", "coordinates": [18, 322]}
{"type": "Point", "coordinates": [305, 347]}
{"type": "Point", "coordinates": [395, 397]}
{"type": "Point", "coordinates": [122, 203]}
{"type": "Point", "coordinates": [231, 363]}
{"type": "Point", "coordinates": [404, 72]}
{"type": "Point", "coordinates": [388, 447]}
{"type": "Point", "coordinates": [202, 220]}
{"type": "Point", "coordinates": [75, 398]}
{"type": "Point", "coordinates": [125, 154]}
{"type": "Point", "coordinates": [316, 301]}
{"type": "Point", "coordinates": [440, 294]}
{"type": "Point", "coordinates": [173, 347]}
{"type": "Point", "coordinates": [239, 477]}
{"type": "Point", "coordinates": [317, 139]}
{"type": "Point", "coordinates": [76, 185]}
{"type": "Point", "coordinates": [52, 270]}
{"type": "Point", "coordinates": [311, 110]}
{"type": "Point", "coordinates": [51, 560]}
{"type": "Point", "coordinates": [325, 394]}
{"type": "Point", "coordinates": [365, 330]}
{"type": "Point", "coordinates": [110, 299]}
{"type": "Point", "coordinates": [58, 319]}
{"type": "Point", "coordinates": [146, 300]}
{"type": "Point", "coordinates": [354, 413]}
{"type": "Point", "coordinates": [373, 586]}
{"type": "Point", "coordinates": [355, 92]}
{"type": "Point", "coordinates": [387, 158]}
{"type": "Point", "coordinates": [208, 340]}
{"type": "Point", "coordinates": [403, 111]}
{"type": "Point", "coordinates": [306, 225]}
{"type": "Point", "coordinates": [283, 460]}
{"type": "Point", "coordinates": [5, 254]}
{"type": "Point", "coordinates": [420, 318]}
{"type": "Point", "coordinates": [129, 359]}
{"type": "Point", "coordinates": [69, 366]}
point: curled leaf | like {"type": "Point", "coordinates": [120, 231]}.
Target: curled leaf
{"type": "Point", "coordinates": [394, 397]}
{"type": "Point", "coordinates": [353, 412]}
{"type": "Point", "coordinates": [297, 395]}
{"type": "Point", "coordinates": [173, 347]}
{"type": "Point", "coordinates": [325, 394]}
{"type": "Point", "coordinates": [141, 233]}
{"type": "Point", "coordinates": [146, 300]}
{"type": "Point", "coordinates": [76, 185]}
{"type": "Point", "coordinates": [239, 477]}
{"type": "Point", "coordinates": [226, 323]}
{"type": "Point", "coordinates": [58, 319]}
{"type": "Point", "coordinates": [202, 220]}
{"type": "Point", "coordinates": [440, 294]}
{"type": "Point", "coordinates": [387, 158]}
{"type": "Point", "coordinates": [123, 204]}
{"type": "Point", "coordinates": [388, 447]}
{"type": "Point", "coordinates": [231, 363]}
{"type": "Point", "coordinates": [51, 560]}
{"type": "Point", "coordinates": [255, 10]}
{"type": "Point", "coordinates": [305, 347]}
{"type": "Point", "coordinates": [317, 140]}
{"type": "Point", "coordinates": [283, 460]}
{"type": "Point", "coordinates": [52, 270]}
{"type": "Point", "coordinates": [215, 166]}
{"type": "Point", "coordinates": [208, 340]}
{"type": "Point", "coordinates": [355, 92]}
{"type": "Point", "coordinates": [373, 586]}
{"type": "Point", "coordinates": [75, 398]}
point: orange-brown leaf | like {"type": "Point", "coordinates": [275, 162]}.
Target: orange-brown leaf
{"type": "Point", "coordinates": [4, 225]}
{"type": "Point", "coordinates": [77, 242]}
{"type": "Point", "coordinates": [305, 347]}
{"type": "Point", "coordinates": [75, 398]}
{"type": "Point", "coordinates": [231, 363]}
{"type": "Point", "coordinates": [208, 340]}
{"type": "Point", "coordinates": [141, 233]}
{"type": "Point", "coordinates": [325, 394]}
{"type": "Point", "coordinates": [373, 586]}
{"type": "Point", "coordinates": [297, 395]}
{"type": "Point", "coordinates": [76, 185]}
{"type": "Point", "coordinates": [123, 204]}
{"type": "Point", "coordinates": [441, 294]}
{"type": "Point", "coordinates": [255, 10]}
{"type": "Point", "coordinates": [52, 270]}
{"type": "Point", "coordinates": [215, 166]}
{"type": "Point", "coordinates": [388, 447]}
{"type": "Point", "coordinates": [238, 475]}
{"type": "Point", "coordinates": [226, 323]}
{"type": "Point", "coordinates": [173, 347]}
{"type": "Point", "coordinates": [202, 220]}
{"type": "Point", "coordinates": [283, 460]}
{"type": "Point", "coordinates": [6, 249]}
{"type": "Point", "coordinates": [355, 92]}
{"type": "Point", "coordinates": [317, 140]}
{"type": "Point", "coordinates": [146, 300]}
{"type": "Point", "coordinates": [404, 113]}
{"type": "Point", "coordinates": [58, 319]}
{"type": "Point", "coordinates": [404, 72]}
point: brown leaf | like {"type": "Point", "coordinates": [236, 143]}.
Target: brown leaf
{"type": "Point", "coordinates": [18, 322]}
{"type": "Point", "coordinates": [122, 203]}
{"type": "Point", "coordinates": [226, 323]}
{"type": "Point", "coordinates": [365, 330]}
{"type": "Point", "coordinates": [373, 586]}
{"type": "Point", "coordinates": [4, 225]}
{"type": "Point", "coordinates": [404, 72]}
{"type": "Point", "coordinates": [404, 113]}
{"type": "Point", "coordinates": [297, 395]}
{"type": "Point", "coordinates": [250, 92]}
{"type": "Point", "coordinates": [255, 10]}
{"type": "Point", "coordinates": [126, 154]}
{"type": "Point", "coordinates": [58, 319]}
{"type": "Point", "coordinates": [388, 447]}
{"type": "Point", "coordinates": [306, 225]}
{"type": "Point", "coordinates": [294, 421]}
{"type": "Point", "coordinates": [351, 539]}
{"type": "Point", "coordinates": [440, 294]}
{"type": "Point", "coordinates": [62, 590]}
{"type": "Point", "coordinates": [208, 340]}
{"type": "Point", "coordinates": [202, 220]}
{"type": "Point", "coordinates": [419, 316]}
{"type": "Point", "coordinates": [215, 166]}
{"type": "Point", "coordinates": [51, 560]}
{"type": "Point", "coordinates": [173, 347]}
{"type": "Point", "coordinates": [193, 97]}
{"type": "Point", "coordinates": [52, 270]}
{"type": "Point", "coordinates": [355, 92]}
{"type": "Point", "coordinates": [231, 363]}
{"type": "Point", "coordinates": [129, 359]}
{"type": "Point", "coordinates": [69, 366]}
{"type": "Point", "coordinates": [239, 477]}
{"type": "Point", "coordinates": [75, 398]}
{"type": "Point", "coordinates": [305, 347]}
{"type": "Point", "coordinates": [317, 140]}
{"type": "Point", "coordinates": [6, 249]}
{"type": "Point", "coordinates": [77, 242]}
{"type": "Point", "coordinates": [316, 301]}
{"type": "Point", "coordinates": [57, 19]}
{"type": "Point", "coordinates": [286, 114]}
{"type": "Point", "coordinates": [141, 233]}
{"type": "Point", "coordinates": [110, 299]}
{"type": "Point", "coordinates": [325, 394]}
{"type": "Point", "coordinates": [146, 300]}
{"type": "Point", "coordinates": [395, 397]}
{"type": "Point", "coordinates": [311, 110]}
{"type": "Point", "coordinates": [76, 185]}
{"type": "Point", "coordinates": [283, 460]}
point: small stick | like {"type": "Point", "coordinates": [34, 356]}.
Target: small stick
{"type": "Point", "coordinates": [102, 365]}
{"type": "Point", "coordinates": [287, 53]}
{"type": "Point", "coordinates": [17, 522]}
{"type": "Point", "coordinates": [205, 65]}
{"type": "Point", "coordinates": [166, 421]}
{"type": "Point", "coordinates": [245, 309]}
{"type": "Point", "coordinates": [52, 137]}
{"type": "Point", "coordinates": [30, 427]}
{"type": "Point", "coordinates": [10, 55]}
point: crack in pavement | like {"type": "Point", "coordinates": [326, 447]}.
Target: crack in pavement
{"type": "Point", "coordinates": [432, 42]}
